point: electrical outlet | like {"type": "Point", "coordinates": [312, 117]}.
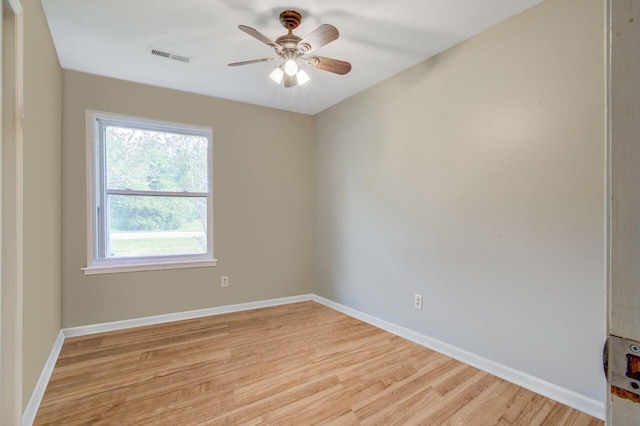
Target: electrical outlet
{"type": "Point", "coordinates": [225, 281]}
{"type": "Point", "coordinates": [417, 301]}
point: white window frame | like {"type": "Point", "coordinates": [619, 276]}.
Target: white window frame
{"type": "Point", "coordinates": [95, 121]}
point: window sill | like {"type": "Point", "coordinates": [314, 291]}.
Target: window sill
{"type": "Point", "coordinates": [116, 269]}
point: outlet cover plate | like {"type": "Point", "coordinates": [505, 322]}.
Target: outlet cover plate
{"type": "Point", "coordinates": [417, 301]}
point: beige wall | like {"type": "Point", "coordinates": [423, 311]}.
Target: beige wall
{"type": "Point", "coordinates": [476, 179]}
{"type": "Point", "coordinates": [263, 198]}
{"type": "Point", "coordinates": [42, 188]}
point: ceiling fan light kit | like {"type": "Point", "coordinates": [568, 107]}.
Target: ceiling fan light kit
{"type": "Point", "coordinates": [290, 49]}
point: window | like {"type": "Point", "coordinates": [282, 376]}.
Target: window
{"type": "Point", "coordinates": [150, 200]}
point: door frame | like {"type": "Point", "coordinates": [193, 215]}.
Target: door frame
{"type": "Point", "coordinates": [11, 254]}
{"type": "Point", "coordinates": [623, 197]}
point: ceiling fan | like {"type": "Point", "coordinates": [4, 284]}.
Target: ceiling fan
{"type": "Point", "coordinates": [290, 49]}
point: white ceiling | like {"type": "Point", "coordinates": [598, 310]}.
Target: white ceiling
{"type": "Point", "coordinates": [379, 37]}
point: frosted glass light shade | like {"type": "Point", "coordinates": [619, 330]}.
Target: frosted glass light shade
{"type": "Point", "coordinates": [303, 77]}
{"type": "Point", "coordinates": [277, 75]}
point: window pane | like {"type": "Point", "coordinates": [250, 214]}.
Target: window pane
{"type": "Point", "coordinates": [147, 160]}
{"type": "Point", "coordinates": [156, 226]}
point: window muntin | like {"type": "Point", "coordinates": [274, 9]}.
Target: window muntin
{"type": "Point", "coordinates": [151, 192]}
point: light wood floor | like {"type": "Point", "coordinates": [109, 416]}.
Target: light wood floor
{"type": "Point", "coordinates": [289, 365]}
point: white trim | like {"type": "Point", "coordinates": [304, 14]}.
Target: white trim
{"type": "Point", "coordinates": [565, 396]}
{"type": "Point", "coordinates": [36, 397]}
{"type": "Point", "coordinates": [31, 409]}
{"type": "Point", "coordinates": [84, 330]}
{"type": "Point", "coordinates": [115, 269]}
{"type": "Point", "coordinates": [96, 188]}
{"type": "Point", "coordinates": [90, 182]}
{"type": "Point", "coordinates": [16, 6]}
{"type": "Point", "coordinates": [11, 306]}
{"type": "Point", "coordinates": [156, 193]}
{"type": "Point", "coordinates": [138, 122]}
{"type": "Point", "coordinates": [608, 189]}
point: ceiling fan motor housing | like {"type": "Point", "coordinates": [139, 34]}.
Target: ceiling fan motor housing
{"type": "Point", "coordinates": [290, 19]}
{"type": "Point", "coordinates": [288, 41]}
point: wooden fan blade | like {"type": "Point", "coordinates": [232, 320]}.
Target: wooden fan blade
{"type": "Point", "coordinates": [328, 64]}
{"type": "Point", "coordinates": [253, 61]}
{"type": "Point", "coordinates": [322, 35]}
{"type": "Point", "coordinates": [257, 35]}
{"type": "Point", "coordinates": [290, 80]}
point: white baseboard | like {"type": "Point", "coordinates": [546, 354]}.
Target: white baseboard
{"type": "Point", "coordinates": [36, 396]}
{"type": "Point", "coordinates": [31, 409]}
{"type": "Point", "coordinates": [565, 396]}
{"type": "Point", "coordinates": [179, 316]}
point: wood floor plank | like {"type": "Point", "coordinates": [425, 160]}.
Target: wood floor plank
{"type": "Point", "coordinates": [297, 364]}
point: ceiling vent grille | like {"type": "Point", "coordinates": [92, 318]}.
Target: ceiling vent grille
{"type": "Point", "coordinates": [169, 55]}
{"type": "Point", "coordinates": [180, 58]}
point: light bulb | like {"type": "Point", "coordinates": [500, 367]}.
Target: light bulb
{"type": "Point", "coordinates": [290, 67]}
{"type": "Point", "coordinates": [277, 75]}
{"type": "Point", "coordinates": [303, 77]}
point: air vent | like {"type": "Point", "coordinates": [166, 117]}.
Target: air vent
{"type": "Point", "coordinates": [169, 55]}
{"type": "Point", "coordinates": [180, 57]}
